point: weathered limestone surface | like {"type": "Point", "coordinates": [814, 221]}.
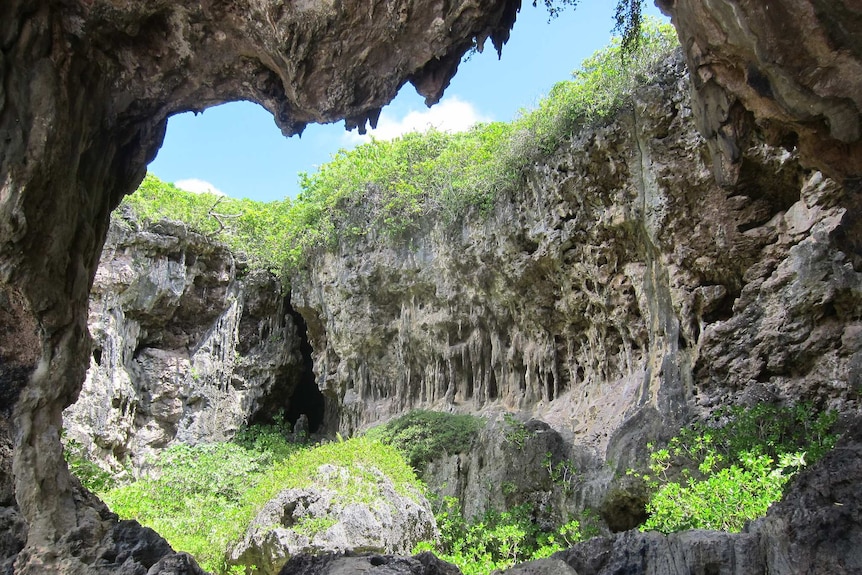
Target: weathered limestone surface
{"type": "Point", "coordinates": [382, 520]}
{"type": "Point", "coordinates": [793, 68]}
{"type": "Point", "coordinates": [85, 93]}
{"type": "Point", "coordinates": [187, 344]}
{"type": "Point", "coordinates": [88, 85]}
{"type": "Point", "coordinates": [344, 564]}
{"type": "Point", "coordinates": [620, 287]}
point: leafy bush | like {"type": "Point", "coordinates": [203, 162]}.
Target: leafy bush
{"type": "Point", "coordinates": [725, 499]}
{"type": "Point", "coordinates": [202, 498]}
{"type": "Point", "coordinates": [515, 432]}
{"type": "Point", "coordinates": [733, 468]}
{"type": "Point", "coordinates": [498, 540]}
{"type": "Point", "coordinates": [268, 438]}
{"type": "Point", "coordinates": [87, 471]}
{"type": "Point", "coordinates": [597, 91]}
{"type": "Point", "coordinates": [420, 435]}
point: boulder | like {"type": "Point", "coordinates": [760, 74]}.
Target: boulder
{"type": "Point", "coordinates": [343, 511]}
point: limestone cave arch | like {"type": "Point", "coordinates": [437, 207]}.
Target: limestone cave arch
{"type": "Point", "coordinates": [86, 88]}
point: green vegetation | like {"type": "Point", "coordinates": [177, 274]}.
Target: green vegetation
{"type": "Point", "coordinates": [714, 475]}
{"type": "Point", "coordinates": [498, 540]}
{"type": "Point", "coordinates": [387, 186]}
{"type": "Point", "coordinates": [723, 474]}
{"type": "Point", "coordinates": [515, 432]}
{"type": "Point", "coordinates": [202, 498]}
{"type": "Point", "coordinates": [87, 471]}
{"type": "Point", "coordinates": [420, 435]}
{"type": "Point", "coordinates": [261, 230]}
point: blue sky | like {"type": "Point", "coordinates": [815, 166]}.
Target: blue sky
{"type": "Point", "coordinates": [238, 150]}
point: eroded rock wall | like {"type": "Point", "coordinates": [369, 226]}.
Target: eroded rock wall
{"type": "Point", "coordinates": [188, 344]}
{"type": "Point", "coordinates": [791, 69]}
{"type": "Point", "coordinates": [87, 86]}
{"type": "Point", "coordinates": [85, 92]}
{"type": "Point", "coordinates": [615, 294]}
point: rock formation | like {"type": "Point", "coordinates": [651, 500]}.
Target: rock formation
{"type": "Point", "coordinates": [792, 69]}
{"type": "Point", "coordinates": [377, 519]}
{"type": "Point", "coordinates": [188, 345]}
{"type": "Point", "coordinates": [87, 87]}
{"type": "Point", "coordinates": [619, 291]}
{"type": "Point", "coordinates": [422, 564]}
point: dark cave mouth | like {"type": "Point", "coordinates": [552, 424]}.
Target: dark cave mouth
{"type": "Point", "coordinates": [294, 394]}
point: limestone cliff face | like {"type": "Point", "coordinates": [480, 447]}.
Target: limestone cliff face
{"type": "Point", "coordinates": [87, 87]}
{"type": "Point", "coordinates": [86, 91]}
{"type": "Point", "coordinates": [188, 345]}
{"type": "Point", "coordinates": [618, 291]}
{"type": "Point", "coordinates": [792, 69]}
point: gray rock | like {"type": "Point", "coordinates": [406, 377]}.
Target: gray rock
{"type": "Point", "coordinates": [549, 566]}
{"type": "Point", "coordinates": [348, 564]}
{"type": "Point", "coordinates": [187, 347]}
{"type": "Point", "coordinates": [357, 515]}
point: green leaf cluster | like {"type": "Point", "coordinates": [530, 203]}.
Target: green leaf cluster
{"type": "Point", "coordinates": [202, 498]}
{"type": "Point", "coordinates": [89, 473]}
{"type": "Point", "coordinates": [386, 188]}
{"type": "Point", "coordinates": [724, 472]}
{"type": "Point", "coordinates": [515, 432]}
{"type": "Point", "coordinates": [499, 539]}
{"type": "Point", "coordinates": [422, 435]}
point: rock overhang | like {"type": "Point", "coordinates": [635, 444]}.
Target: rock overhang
{"type": "Point", "coordinates": [87, 87]}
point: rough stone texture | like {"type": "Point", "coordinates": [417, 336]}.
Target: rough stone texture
{"type": "Point", "coordinates": [793, 67]}
{"type": "Point", "coordinates": [379, 519]}
{"type": "Point", "coordinates": [816, 528]}
{"type": "Point", "coordinates": [616, 294]}
{"type": "Point", "coordinates": [502, 469]}
{"type": "Point", "coordinates": [85, 91]}
{"type": "Point", "coordinates": [87, 87]}
{"type": "Point", "coordinates": [349, 564]}
{"type": "Point", "coordinates": [549, 566]}
{"type": "Point", "coordinates": [187, 345]}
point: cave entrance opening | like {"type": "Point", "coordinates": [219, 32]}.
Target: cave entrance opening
{"type": "Point", "coordinates": [295, 392]}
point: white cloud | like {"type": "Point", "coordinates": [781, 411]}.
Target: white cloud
{"type": "Point", "coordinates": [450, 115]}
{"type": "Point", "coordinates": [197, 186]}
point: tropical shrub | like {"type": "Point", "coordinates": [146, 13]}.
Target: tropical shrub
{"type": "Point", "coordinates": [722, 473]}
{"type": "Point", "coordinates": [421, 435]}
{"type": "Point", "coordinates": [498, 539]}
